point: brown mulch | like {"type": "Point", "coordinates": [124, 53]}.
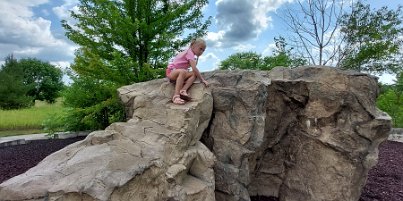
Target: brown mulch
{"type": "Point", "coordinates": [385, 180]}
{"type": "Point", "coordinates": [15, 160]}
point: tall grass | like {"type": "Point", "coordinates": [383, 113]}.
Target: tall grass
{"type": "Point", "coordinates": [27, 120]}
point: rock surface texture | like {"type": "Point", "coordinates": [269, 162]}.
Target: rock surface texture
{"type": "Point", "coordinates": [304, 134]}
{"type": "Point", "coordinates": [156, 155]}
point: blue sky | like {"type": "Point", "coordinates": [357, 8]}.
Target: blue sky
{"type": "Point", "coordinates": [31, 28]}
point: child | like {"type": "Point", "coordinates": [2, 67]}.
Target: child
{"type": "Point", "coordinates": [177, 71]}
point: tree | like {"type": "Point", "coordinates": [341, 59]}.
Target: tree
{"type": "Point", "coordinates": [314, 24]}
{"type": "Point", "coordinates": [28, 80]}
{"type": "Point", "coordinates": [44, 79]}
{"type": "Point", "coordinates": [122, 42]}
{"type": "Point", "coordinates": [282, 56]}
{"type": "Point", "coordinates": [391, 101]}
{"type": "Point", "coordinates": [251, 60]}
{"type": "Point", "coordinates": [373, 39]}
{"type": "Point", "coordinates": [13, 90]}
{"type": "Point", "coordinates": [146, 32]}
{"type": "Point", "coordinates": [83, 114]}
{"type": "Point", "coordinates": [242, 60]}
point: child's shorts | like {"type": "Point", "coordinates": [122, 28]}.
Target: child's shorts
{"type": "Point", "coordinates": [168, 71]}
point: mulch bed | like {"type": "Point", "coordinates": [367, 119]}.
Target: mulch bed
{"type": "Point", "coordinates": [15, 160]}
{"type": "Point", "coordinates": [385, 180]}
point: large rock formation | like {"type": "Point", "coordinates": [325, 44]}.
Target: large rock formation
{"type": "Point", "coordinates": [304, 134]}
{"type": "Point", "coordinates": [156, 155]}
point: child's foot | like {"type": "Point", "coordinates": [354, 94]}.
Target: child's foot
{"type": "Point", "coordinates": [184, 95]}
{"type": "Point", "coordinates": [177, 100]}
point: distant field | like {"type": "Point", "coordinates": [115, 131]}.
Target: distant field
{"type": "Point", "coordinates": [26, 121]}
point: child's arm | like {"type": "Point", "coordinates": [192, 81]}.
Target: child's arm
{"type": "Point", "coordinates": [197, 72]}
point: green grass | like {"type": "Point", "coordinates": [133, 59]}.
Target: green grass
{"type": "Point", "coordinates": [6, 133]}
{"type": "Point", "coordinates": [27, 121]}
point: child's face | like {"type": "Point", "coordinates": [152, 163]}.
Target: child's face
{"type": "Point", "coordinates": [198, 48]}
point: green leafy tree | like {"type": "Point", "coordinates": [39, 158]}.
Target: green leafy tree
{"type": "Point", "coordinates": [373, 39]}
{"type": "Point", "coordinates": [122, 42]}
{"type": "Point", "coordinates": [144, 31]}
{"type": "Point", "coordinates": [242, 60]}
{"type": "Point", "coordinates": [13, 90]}
{"type": "Point", "coordinates": [282, 56]}
{"type": "Point", "coordinates": [83, 114]}
{"type": "Point", "coordinates": [391, 101]}
{"type": "Point", "coordinates": [43, 79]}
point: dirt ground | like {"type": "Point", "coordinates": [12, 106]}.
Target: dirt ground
{"type": "Point", "coordinates": [385, 180]}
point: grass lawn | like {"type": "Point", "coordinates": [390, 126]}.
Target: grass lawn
{"type": "Point", "coordinates": [27, 121]}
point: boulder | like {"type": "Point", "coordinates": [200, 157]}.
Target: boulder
{"type": "Point", "coordinates": [304, 134]}
{"type": "Point", "coordinates": [155, 155]}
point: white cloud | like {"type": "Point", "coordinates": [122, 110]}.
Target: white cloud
{"type": "Point", "coordinates": [269, 49]}
{"type": "Point", "coordinates": [208, 56]}
{"type": "Point", "coordinates": [63, 11]}
{"type": "Point", "coordinates": [22, 28]}
{"type": "Point", "coordinates": [387, 78]}
{"type": "Point", "coordinates": [214, 39]}
{"type": "Point", "coordinates": [209, 62]}
{"type": "Point", "coordinates": [61, 64]}
{"type": "Point", "coordinates": [244, 47]}
{"type": "Point", "coordinates": [25, 34]}
{"type": "Point", "coordinates": [241, 20]}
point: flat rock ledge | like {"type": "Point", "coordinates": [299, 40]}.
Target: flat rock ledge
{"type": "Point", "coordinates": [305, 134]}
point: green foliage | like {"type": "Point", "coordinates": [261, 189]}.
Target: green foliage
{"type": "Point", "coordinates": [146, 31]}
{"type": "Point", "coordinates": [26, 80]}
{"type": "Point", "coordinates": [91, 104]}
{"type": "Point", "coordinates": [44, 79]}
{"type": "Point", "coordinates": [242, 60]}
{"type": "Point", "coordinates": [122, 42]}
{"type": "Point", "coordinates": [251, 60]}
{"type": "Point", "coordinates": [391, 101]}
{"type": "Point", "coordinates": [282, 56]}
{"type": "Point", "coordinates": [373, 41]}
{"type": "Point", "coordinates": [13, 90]}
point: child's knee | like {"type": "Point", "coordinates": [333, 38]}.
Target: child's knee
{"type": "Point", "coordinates": [181, 73]}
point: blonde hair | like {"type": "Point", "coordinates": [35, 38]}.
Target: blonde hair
{"type": "Point", "coordinates": [197, 41]}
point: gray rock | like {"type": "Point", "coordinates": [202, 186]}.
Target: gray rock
{"type": "Point", "coordinates": [304, 134]}
{"type": "Point", "coordinates": [309, 134]}
{"type": "Point", "coordinates": [156, 155]}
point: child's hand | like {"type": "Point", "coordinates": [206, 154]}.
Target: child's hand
{"type": "Point", "coordinates": [205, 83]}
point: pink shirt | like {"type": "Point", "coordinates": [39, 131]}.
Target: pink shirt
{"type": "Point", "coordinates": [182, 60]}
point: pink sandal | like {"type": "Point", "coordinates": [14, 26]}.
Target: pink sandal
{"type": "Point", "coordinates": [177, 100]}
{"type": "Point", "coordinates": [184, 95]}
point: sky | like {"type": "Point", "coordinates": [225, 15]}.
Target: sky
{"type": "Point", "coordinates": [32, 28]}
